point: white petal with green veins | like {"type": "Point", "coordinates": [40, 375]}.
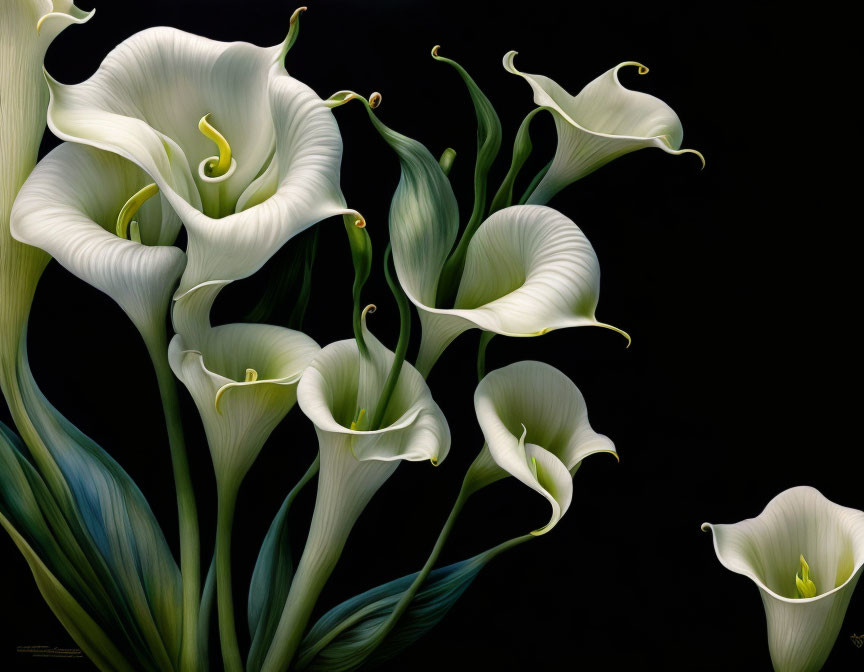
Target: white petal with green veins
{"type": "Point", "coordinates": [528, 270]}
{"type": "Point", "coordinates": [536, 428]}
{"type": "Point", "coordinates": [239, 410]}
{"type": "Point", "coordinates": [285, 147]}
{"type": "Point", "coordinates": [769, 549]}
{"type": "Point", "coordinates": [69, 208]}
{"type": "Point", "coordinates": [601, 123]}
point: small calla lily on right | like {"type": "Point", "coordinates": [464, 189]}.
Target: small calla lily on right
{"type": "Point", "coordinates": [805, 554]}
{"type": "Point", "coordinates": [601, 123]}
{"type": "Point", "coordinates": [535, 423]}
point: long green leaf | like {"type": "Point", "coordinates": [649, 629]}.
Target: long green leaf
{"type": "Point", "coordinates": [89, 636]}
{"type": "Point", "coordinates": [110, 534]}
{"type": "Point", "coordinates": [28, 515]}
{"type": "Point", "coordinates": [488, 144]}
{"type": "Point", "coordinates": [271, 579]}
{"type": "Point", "coordinates": [337, 642]}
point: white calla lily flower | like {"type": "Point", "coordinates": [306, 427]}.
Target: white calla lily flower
{"type": "Point", "coordinates": [601, 123]}
{"type": "Point", "coordinates": [247, 155]}
{"type": "Point", "coordinates": [69, 208]}
{"type": "Point", "coordinates": [27, 28]}
{"type": "Point", "coordinates": [805, 554]}
{"type": "Point", "coordinates": [528, 270]}
{"type": "Point", "coordinates": [535, 424]}
{"type": "Point", "coordinates": [338, 393]}
{"type": "Point", "coordinates": [243, 379]}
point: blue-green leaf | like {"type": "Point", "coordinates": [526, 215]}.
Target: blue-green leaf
{"type": "Point", "coordinates": [29, 515]}
{"type": "Point", "coordinates": [271, 579]}
{"type": "Point", "coordinates": [101, 526]}
{"type": "Point", "coordinates": [338, 641]}
{"type": "Point", "coordinates": [424, 216]}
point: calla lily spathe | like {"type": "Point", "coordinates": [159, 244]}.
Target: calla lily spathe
{"type": "Point", "coordinates": [238, 413]}
{"type": "Point", "coordinates": [337, 392]}
{"type": "Point", "coordinates": [601, 123]}
{"type": "Point", "coordinates": [68, 207]}
{"type": "Point", "coordinates": [770, 550]}
{"type": "Point", "coordinates": [535, 423]}
{"type": "Point", "coordinates": [285, 146]}
{"type": "Point", "coordinates": [528, 270]}
{"type": "Point", "coordinates": [27, 28]}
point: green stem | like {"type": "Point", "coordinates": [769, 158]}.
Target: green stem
{"type": "Point", "coordinates": [408, 595]}
{"type": "Point", "coordinates": [401, 345]}
{"type": "Point", "coordinates": [485, 337]}
{"type": "Point", "coordinates": [205, 614]}
{"type": "Point", "coordinates": [531, 187]}
{"type": "Point", "coordinates": [405, 601]}
{"type": "Point", "coordinates": [522, 149]}
{"type": "Point", "coordinates": [187, 511]}
{"type": "Point", "coordinates": [224, 599]}
{"type": "Point", "coordinates": [510, 543]}
{"type": "Point", "coordinates": [384, 629]}
{"type": "Point", "coordinates": [488, 144]}
{"type": "Point", "coordinates": [361, 256]}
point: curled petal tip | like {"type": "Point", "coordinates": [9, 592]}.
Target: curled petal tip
{"type": "Point", "coordinates": [697, 153]}
{"type": "Point", "coordinates": [219, 394]}
{"type": "Point", "coordinates": [374, 99]}
{"type": "Point", "coordinates": [82, 19]}
{"type": "Point", "coordinates": [435, 50]}
{"type": "Point", "coordinates": [296, 14]}
{"type": "Point", "coordinates": [340, 98]}
{"type": "Point", "coordinates": [435, 461]}
{"type": "Point", "coordinates": [371, 308]}
{"type": "Point", "coordinates": [509, 66]}
{"type": "Point", "coordinates": [360, 221]}
{"type": "Point", "coordinates": [705, 527]}
{"type": "Point", "coordinates": [641, 69]}
{"type": "Point", "coordinates": [616, 330]}
{"type": "Point", "coordinates": [613, 454]}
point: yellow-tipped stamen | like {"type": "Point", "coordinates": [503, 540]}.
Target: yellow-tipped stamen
{"type": "Point", "coordinates": [219, 167]}
{"type": "Point", "coordinates": [533, 466]}
{"type": "Point", "coordinates": [127, 212]}
{"type": "Point", "coordinates": [358, 420]}
{"type": "Point", "coordinates": [251, 376]}
{"type": "Point", "coordinates": [805, 585]}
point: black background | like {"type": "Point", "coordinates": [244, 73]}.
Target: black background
{"type": "Point", "coordinates": [737, 284]}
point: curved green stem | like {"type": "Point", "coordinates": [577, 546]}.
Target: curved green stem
{"type": "Point", "coordinates": [361, 256]}
{"type": "Point", "coordinates": [387, 626]}
{"type": "Point", "coordinates": [522, 149]}
{"type": "Point", "coordinates": [190, 567]}
{"type": "Point", "coordinates": [401, 345]}
{"type": "Point", "coordinates": [488, 144]}
{"type": "Point", "coordinates": [408, 595]}
{"type": "Point", "coordinates": [205, 614]}
{"type": "Point", "coordinates": [531, 187]}
{"type": "Point", "coordinates": [485, 337]}
{"type": "Point", "coordinates": [224, 599]}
